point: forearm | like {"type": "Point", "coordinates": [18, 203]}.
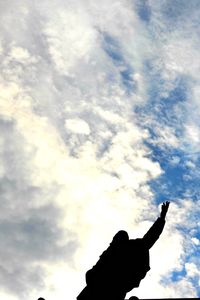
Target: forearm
{"type": "Point", "coordinates": [154, 232]}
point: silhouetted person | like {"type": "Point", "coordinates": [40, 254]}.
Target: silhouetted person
{"type": "Point", "coordinates": [123, 265]}
{"type": "Point", "coordinates": [41, 298]}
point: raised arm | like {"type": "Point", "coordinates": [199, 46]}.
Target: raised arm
{"type": "Point", "coordinates": [156, 229]}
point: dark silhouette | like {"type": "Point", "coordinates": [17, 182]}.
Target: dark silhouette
{"type": "Point", "coordinates": [123, 264]}
{"type": "Point", "coordinates": [41, 298]}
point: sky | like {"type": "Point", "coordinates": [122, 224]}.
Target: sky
{"type": "Point", "coordinates": [100, 123]}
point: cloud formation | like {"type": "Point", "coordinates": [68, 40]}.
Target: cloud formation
{"type": "Point", "coordinates": [99, 118]}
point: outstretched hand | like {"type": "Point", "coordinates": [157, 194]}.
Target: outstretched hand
{"type": "Point", "coordinates": [164, 209]}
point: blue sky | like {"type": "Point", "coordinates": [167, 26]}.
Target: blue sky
{"type": "Point", "coordinates": [99, 118]}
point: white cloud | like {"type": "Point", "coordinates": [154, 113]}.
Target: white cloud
{"type": "Point", "coordinates": [192, 270]}
{"type": "Point", "coordinates": [20, 54]}
{"type": "Point", "coordinates": [192, 133]}
{"type": "Point", "coordinates": [74, 166]}
{"type": "Point", "coordinates": [77, 185]}
{"type": "Point", "coordinates": [77, 126]}
{"type": "Point", "coordinates": [195, 241]}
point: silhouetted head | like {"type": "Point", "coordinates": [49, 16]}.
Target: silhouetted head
{"type": "Point", "coordinates": [120, 237]}
{"type": "Point", "coordinates": [41, 298]}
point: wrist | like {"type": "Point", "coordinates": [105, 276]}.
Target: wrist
{"type": "Point", "coordinates": [162, 217]}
